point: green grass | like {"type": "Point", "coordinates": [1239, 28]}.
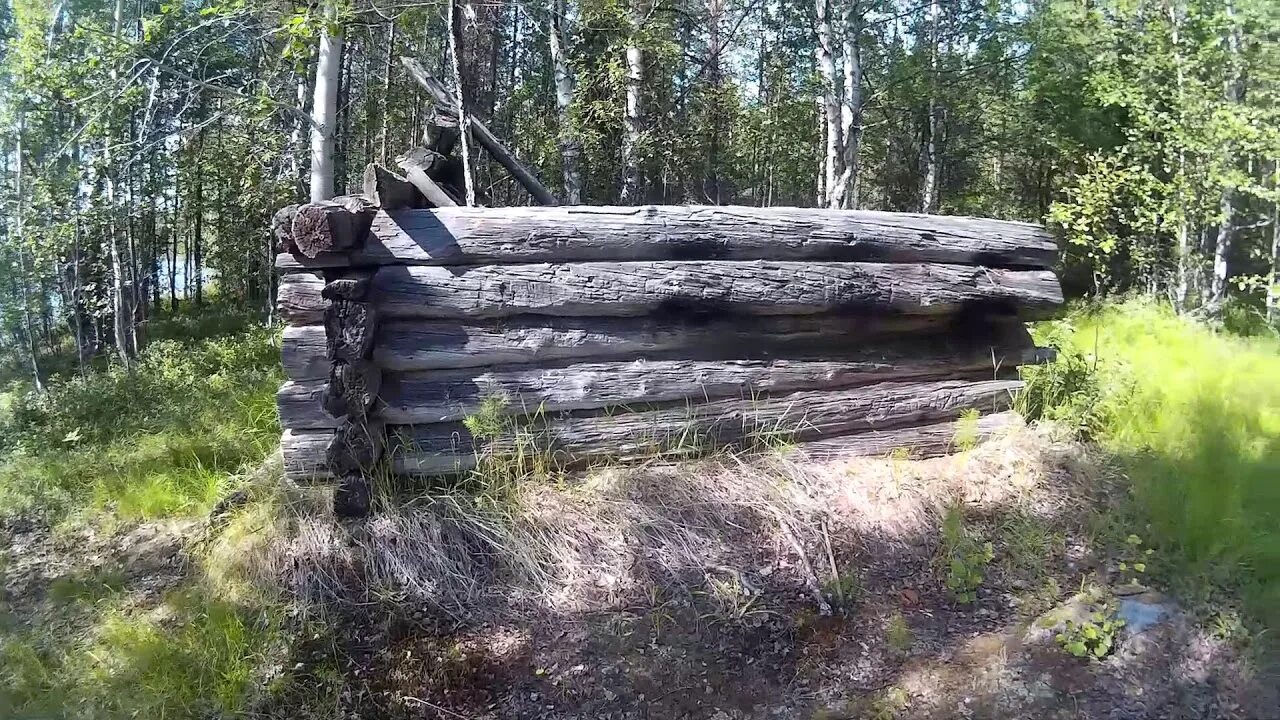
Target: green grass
{"type": "Point", "coordinates": [1193, 416]}
{"type": "Point", "coordinates": [110, 448]}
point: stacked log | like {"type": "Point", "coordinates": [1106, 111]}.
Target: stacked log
{"type": "Point", "coordinates": [599, 332]}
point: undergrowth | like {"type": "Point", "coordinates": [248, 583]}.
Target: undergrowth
{"type": "Point", "coordinates": [1193, 418]}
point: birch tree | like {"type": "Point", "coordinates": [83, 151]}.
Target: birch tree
{"type": "Point", "coordinates": [562, 72]}
{"type": "Point", "coordinates": [324, 112]}
{"type": "Point", "coordinates": [633, 118]}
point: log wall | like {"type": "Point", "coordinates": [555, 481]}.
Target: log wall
{"type": "Point", "coordinates": [594, 333]}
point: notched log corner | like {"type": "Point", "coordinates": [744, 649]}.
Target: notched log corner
{"type": "Point", "coordinates": [332, 225]}
{"type": "Point", "coordinates": [282, 227]}
{"type": "Point", "coordinates": [354, 288]}
{"type": "Point", "coordinates": [352, 498]}
{"type": "Point", "coordinates": [356, 447]}
{"type": "Point", "coordinates": [353, 388]}
{"type": "Point", "coordinates": [348, 329]}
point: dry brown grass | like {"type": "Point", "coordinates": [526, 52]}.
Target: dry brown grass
{"type": "Point", "coordinates": [619, 536]}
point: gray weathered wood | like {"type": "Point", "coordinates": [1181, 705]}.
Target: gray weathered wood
{"type": "Point", "coordinates": [712, 287]}
{"type": "Point", "coordinates": [389, 191]}
{"type": "Point", "coordinates": [349, 327]}
{"type": "Point", "coordinates": [444, 395]}
{"type": "Point", "coordinates": [444, 101]}
{"type": "Point", "coordinates": [304, 454]}
{"type": "Point", "coordinates": [435, 344]}
{"type": "Point", "coordinates": [694, 429]}
{"type": "Point", "coordinates": [920, 441]}
{"type": "Point", "coordinates": [353, 388]}
{"type": "Point", "coordinates": [301, 406]}
{"type": "Point", "coordinates": [355, 447]}
{"type": "Point", "coordinates": [304, 450]}
{"type": "Point", "coordinates": [354, 287]}
{"type": "Point", "coordinates": [303, 352]}
{"type": "Point", "coordinates": [418, 164]}
{"type": "Point", "coordinates": [475, 236]}
{"type": "Point", "coordinates": [298, 299]}
{"type": "Point", "coordinates": [332, 225]}
{"type": "Point", "coordinates": [282, 227]}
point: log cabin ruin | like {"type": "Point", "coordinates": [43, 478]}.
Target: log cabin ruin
{"type": "Point", "coordinates": [423, 337]}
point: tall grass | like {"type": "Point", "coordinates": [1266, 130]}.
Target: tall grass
{"type": "Point", "coordinates": [1193, 416]}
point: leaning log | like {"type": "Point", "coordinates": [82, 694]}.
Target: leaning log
{"type": "Point", "coordinates": [418, 165]}
{"type": "Point", "coordinates": [389, 191]}
{"type": "Point", "coordinates": [445, 395]}
{"type": "Point", "coordinates": [331, 225]}
{"type": "Point", "coordinates": [710, 288]}
{"type": "Point", "coordinates": [691, 430]}
{"type": "Point", "coordinates": [474, 236]}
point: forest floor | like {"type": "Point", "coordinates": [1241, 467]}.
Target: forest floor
{"type": "Point", "coordinates": [703, 590]}
{"type": "Point", "coordinates": [157, 568]}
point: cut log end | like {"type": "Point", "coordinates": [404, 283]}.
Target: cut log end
{"type": "Point", "coordinates": [353, 389]}
{"type": "Point", "coordinates": [332, 225]}
{"type": "Point", "coordinates": [349, 329]}
{"type": "Point", "coordinates": [356, 447]}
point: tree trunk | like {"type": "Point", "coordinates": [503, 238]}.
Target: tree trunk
{"type": "Point", "coordinates": [384, 128]}
{"type": "Point", "coordinates": [23, 280]}
{"type": "Point", "coordinates": [833, 160]}
{"type": "Point", "coordinates": [1233, 94]}
{"type": "Point", "coordinates": [197, 232]}
{"type": "Point", "coordinates": [324, 112]}
{"type": "Point", "coordinates": [633, 113]}
{"type": "Point", "coordinates": [1273, 288]}
{"type": "Point", "coordinates": [570, 147]}
{"type": "Point", "coordinates": [120, 305]}
{"type": "Point", "coordinates": [846, 190]}
{"type": "Point", "coordinates": [455, 64]}
{"type": "Point", "coordinates": [929, 182]}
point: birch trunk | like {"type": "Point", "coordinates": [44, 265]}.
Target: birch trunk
{"type": "Point", "coordinates": [846, 191]}
{"type": "Point", "coordinates": [22, 262]}
{"type": "Point", "coordinates": [1273, 289]}
{"type": "Point", "coordinates": [324, 112]}
{"type": "Point", "coordinates": [122, 312]}
{"type": "Point", "coordinates": [633, 113]}
{"type": "Point", "coordinates": [928, 184]}
{"type": "Point", "coordinates": [464, 138]}
{"type": "Point", "coordinates": [832, 164]}
{"type": "Point", "coordinates": [570, 147]}
{"type": "Point", "coordinates": [1233, 93]}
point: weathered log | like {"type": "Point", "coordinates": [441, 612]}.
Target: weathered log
{"type": "Point", "coordinates": [445, 100]}
{"type": "Point", "coordinates": [353, 496]}
{"type": "Point", "coordinates": [282, 227]}
{"type": "Point", "coordinates": [475, 236]}
{"type": "Point", "coordinates": [389, 191]}
{"type": "Point", "coordinates": [710, 288]}
{"type": "Point", "coordinates": [332, 225]}
{"type": "Point", "coordinates": [353, 388]}
{"type": "Point", "coordinates": [441, 134]}
{"type": "Point", "coordinates": [354, 287]}
{"type": "Point", "coordinates": [349, 327]}
{"type": "Point", "coordinates": [444, 395]}
{"type": "Point", "coordinates": [418, 165]}
{"type": "Point", "coordinates": [298, 298]}
{"type": "Point", "coordinates": [405, 345]}
{"type": "Point", "coordinates": [356, 447]}
{"type": "Point", "coordinates": [690, 430]}
{"type": "Point", "coordinates": [301, 406]}
{"type": "Point", "coordinates": [305, 453]}
{"type": "Point", "coordinates": [303, 352]}
{"type": "Point", "coordinates": [920, 441]}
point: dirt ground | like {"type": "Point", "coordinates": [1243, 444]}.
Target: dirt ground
{"type": "Point", "coordinates": [718, 590]}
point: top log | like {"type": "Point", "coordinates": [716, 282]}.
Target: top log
{"type": "Point", "coordinates": [481, 236]}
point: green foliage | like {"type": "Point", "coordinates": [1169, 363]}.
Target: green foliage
{"type": "Point", "coordinates": [966, 433]}
{"type": "Point", "coordinates": [964, 556]}
{"type": "Point", "coordinates": [1193, 417]}
{"type": "Point", "coordinates": [1094, 638]}
{"type": "Point", "coordinates": [153, 442]}
{"type": "Point", "coordinates": [196, 656]}
{"type": "Point", "coordinates": [898, 635]}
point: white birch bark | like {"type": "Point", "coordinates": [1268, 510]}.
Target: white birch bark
{"type": "Point", "coordinates": [845, 192]}
{"type": "Point", "coordinates": [120, 306]}
{"type": "Point", "coordinates": [929, 183]}
{"type": "Point", "coordinates": [1232, 94]}
{"type": "Point", "coordinates": [324, 112]}
{"type": "Point", "coordinates": [570, 147]}
{"type": "Point", "coordinates": [464, 124]}
{"type": "Point", "coordinates": [832, 165]}
{"type": "Point", "coordinates": [633, 120]}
